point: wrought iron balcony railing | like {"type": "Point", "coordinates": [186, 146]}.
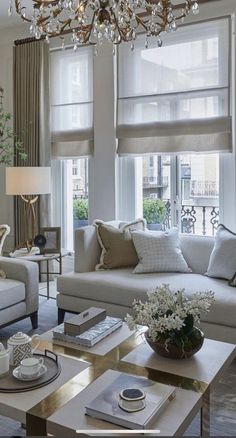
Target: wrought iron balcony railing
{"type": "Point", "coordinates": [195, 219]}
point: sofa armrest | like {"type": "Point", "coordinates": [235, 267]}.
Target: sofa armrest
{"type": "Point", "coordinates": [27, 273]}
{"type": "Point", "coordinates": [87, 249]}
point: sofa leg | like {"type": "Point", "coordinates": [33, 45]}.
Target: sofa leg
{"type": "Point", "coordinates": [34, 320]}
{"type": "Point", "coordinates": [61, 315]}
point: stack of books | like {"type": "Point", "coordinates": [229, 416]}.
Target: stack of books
{"type": "Point", "coordinates": [88, 328]}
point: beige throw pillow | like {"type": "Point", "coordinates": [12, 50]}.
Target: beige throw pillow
{"type": "Point", "coordinates": [118, 250]}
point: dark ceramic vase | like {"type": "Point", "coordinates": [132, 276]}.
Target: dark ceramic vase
{"type": "Point", "coordinates": [172, 351]}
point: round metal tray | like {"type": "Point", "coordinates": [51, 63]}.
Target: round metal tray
{"type": "Point", "coordinates": [9, 384]}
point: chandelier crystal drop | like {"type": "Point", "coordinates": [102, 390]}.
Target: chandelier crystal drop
{"type": "Point", "coordinates": [93, 21]}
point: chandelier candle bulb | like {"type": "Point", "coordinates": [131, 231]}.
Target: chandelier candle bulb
{"type": "Point", "coordinates": [93, 22]}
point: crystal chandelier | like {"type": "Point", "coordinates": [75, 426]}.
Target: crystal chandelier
{"type": "Point", "coordinates": [93, 21]}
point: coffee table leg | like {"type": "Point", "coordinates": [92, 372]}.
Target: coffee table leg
{"type": "Point", "coordinates": [205, 415]}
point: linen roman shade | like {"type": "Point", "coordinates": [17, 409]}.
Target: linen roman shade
{"type": "Point", "coordinates": [72, 102]}
{"type": "Point", "coordinates": [176, 99]}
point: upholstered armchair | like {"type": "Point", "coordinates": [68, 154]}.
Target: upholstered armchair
{"type": "Point", "coordinates": [18, 291]}
{"type": "Point", "coordinates": [4, 231]}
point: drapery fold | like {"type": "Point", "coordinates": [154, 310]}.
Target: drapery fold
{"type": "Point", "coordinates": [31, 123]}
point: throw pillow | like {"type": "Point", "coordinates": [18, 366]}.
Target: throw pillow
{"type": "Point", "coordinates": [118, 250]}
{"type": "Point", "coordinates": [222, 263]}
{"type": "Point", "coordinates": [159, 251]}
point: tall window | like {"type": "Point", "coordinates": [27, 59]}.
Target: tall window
{"type": "Point", "coordinates": [72, 136]}
{"type": "Point", "coordinates": [175, 101]}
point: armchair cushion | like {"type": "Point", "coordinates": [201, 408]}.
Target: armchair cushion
{"type": "Point", "coordinates": [11, 292]}
{"type": "Point", "coordinates": [25, 272]}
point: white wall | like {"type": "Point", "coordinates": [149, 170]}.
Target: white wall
{"type": "Point", "coordinates": [102, 166]}
{"type": "Point", "coordinates": [7, 37]}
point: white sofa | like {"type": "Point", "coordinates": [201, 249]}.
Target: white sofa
{"type": "Point", "coordinates": [116, 289]}
{"type": "Point", "coordinates": [19, 291]}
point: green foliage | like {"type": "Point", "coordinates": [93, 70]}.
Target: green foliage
{"type": "Point", "coordinates": [80, 209]}
{"type": "Point", "coordinates": [154, 211]}
{"type": "Point", "coordinates": [9, 143]}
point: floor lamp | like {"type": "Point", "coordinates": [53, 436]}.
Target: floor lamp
{"type": "Point", "coordinates": [29, 183]}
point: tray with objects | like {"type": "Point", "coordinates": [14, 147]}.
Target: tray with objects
{"type": "Point", "coordinates": [13, 381]}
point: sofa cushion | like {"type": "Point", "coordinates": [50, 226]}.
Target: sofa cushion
{"type": "Point", "coordinates": [121, 287]}
{"type": "Point", "coordinates": [222, 263]}
{"type": "Point", "coordinates": [159, 251]}
{"type": "Point", "coordinates": [117, 246]}
{"type": "Point", "coordinates": [11, 292]}
{"type": "Point", "coordinates": [196, 251]}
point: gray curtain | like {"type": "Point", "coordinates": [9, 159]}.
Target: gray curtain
{"type": "Point", "coordinates": [31, 122]}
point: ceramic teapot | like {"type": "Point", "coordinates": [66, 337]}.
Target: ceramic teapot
{"type": "Point", "coordinates": [4, 359]}
{"type": "Point", "coordinates": [20, 346]}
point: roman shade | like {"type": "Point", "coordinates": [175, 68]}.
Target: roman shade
{"type": "Point", "coordinates": [176, 99]}
{"type": "Point", "coordinates": [72, 103]}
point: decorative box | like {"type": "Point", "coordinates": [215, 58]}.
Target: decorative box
{"type": "Point", "coordinates": [84, 321]}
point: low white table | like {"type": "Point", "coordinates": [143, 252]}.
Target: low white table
{"type": "Point", "coordinates": [128, 352]}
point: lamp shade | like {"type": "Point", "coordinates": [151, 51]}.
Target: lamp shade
{"type": "Point", "coordinates": [28, 180]}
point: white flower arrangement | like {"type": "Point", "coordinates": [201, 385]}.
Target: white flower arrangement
{"type": "Point", "coordinates": [170, 316]}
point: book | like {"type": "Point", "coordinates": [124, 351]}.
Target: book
{"type": "Point", "coordinates": [84, 321]}
{"type": "Point", "coordinates": [106, 405]}
{"type": "Point", "coordinates": [92, 336]}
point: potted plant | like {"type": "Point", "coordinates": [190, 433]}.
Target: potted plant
{"type": "Point", "coordinates": [171, 318]}
{"type": "Point", "coordinates": [9, 143]}
{"type": "Point", "coordinates": [80, 212]}
{"type": "Point", "coordinates": [154, 211]}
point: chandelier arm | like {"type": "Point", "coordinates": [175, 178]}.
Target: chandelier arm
{"type": "Point", "coordinates": [19, 11]}
{"type": "Point", "coordinates": [119, 31]}
{"type": "Point", "coordinates": [64, 25]}
{"type": "Point", "coordinates": [141, 22]}
{"type": "Point", "coordinates": [90, 28]}
{"type": "Point", "coordinates": [87, 31]}
{"type": "Point", "coordinates": [83, 4]}
{"type": "Point", "coordinates": [93, 22]}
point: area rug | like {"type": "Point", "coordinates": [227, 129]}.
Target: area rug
{"type": "Point", "coordinates": [223, 399]}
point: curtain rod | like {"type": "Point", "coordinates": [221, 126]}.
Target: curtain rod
{"type": "Point", "coordinates": [33, 39]}
{"type": "Point", "coordinates": [27, 40]}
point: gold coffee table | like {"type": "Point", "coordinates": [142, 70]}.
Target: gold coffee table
{"type": "Point", "coordinates": [62, 412]}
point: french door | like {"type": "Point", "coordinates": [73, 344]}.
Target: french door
{"type": "Point", "coordinates": [188, 186]}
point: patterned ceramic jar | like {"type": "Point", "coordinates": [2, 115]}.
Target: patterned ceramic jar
{"type": "Point", "coordinates": [20, 346]}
